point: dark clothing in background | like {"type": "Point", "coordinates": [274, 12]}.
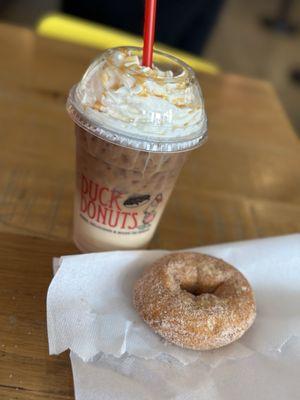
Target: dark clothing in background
{"type": "Point", "coordinates": [185, 24]}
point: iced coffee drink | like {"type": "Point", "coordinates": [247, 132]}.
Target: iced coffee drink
{"type": "Point", "coordinates": [134, 126]}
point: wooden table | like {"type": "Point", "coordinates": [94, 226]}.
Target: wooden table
{"type": "Point", "coordinates": [244, 183]}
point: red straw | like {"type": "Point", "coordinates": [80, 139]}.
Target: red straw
{"type": "Point", "coordinates": [149, 32]}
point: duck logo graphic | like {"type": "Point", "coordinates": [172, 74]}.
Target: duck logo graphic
{"type": "Point", "coordinates": [151, 211]}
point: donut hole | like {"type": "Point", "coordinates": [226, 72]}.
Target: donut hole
{"type": "Point", "coordinates": [197, 279]}
{"type": "Point", "coordinates": [192, 289]}
{"type": "Point", "coordinates": [196, 289]}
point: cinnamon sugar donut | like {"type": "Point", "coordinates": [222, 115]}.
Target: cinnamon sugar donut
{"type": "Point", "coordinates": [195, 301]}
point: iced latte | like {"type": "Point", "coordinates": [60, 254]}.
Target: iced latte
{"type": "Point", "coordinates": [134, 126]}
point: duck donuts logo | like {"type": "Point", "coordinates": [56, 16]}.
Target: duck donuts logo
{"type": "Point", "coordinates": [111, 209]}
{"type": "Point", "coordinates": [103, 206]}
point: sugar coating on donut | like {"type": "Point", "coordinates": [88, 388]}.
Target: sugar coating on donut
{"type": "Point", "coordinates": [195, 301]}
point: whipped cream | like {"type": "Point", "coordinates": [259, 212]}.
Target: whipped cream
{"type": "Point", "coordinates": [121, 94]}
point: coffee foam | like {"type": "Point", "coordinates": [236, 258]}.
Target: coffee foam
{"type": "Point", "coordinates": [121, 94]}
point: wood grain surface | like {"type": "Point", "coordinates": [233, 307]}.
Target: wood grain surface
{"type": "Point", "coordinates": [244, 183]}
{"type": "Point", "coordinates": [26, 369]}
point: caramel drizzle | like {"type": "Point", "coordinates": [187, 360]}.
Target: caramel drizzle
{"type": "Point", "coordinates": [141, 75]}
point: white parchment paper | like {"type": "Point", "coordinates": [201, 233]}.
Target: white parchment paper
{"type": "Point", "coordinates": [116, 356]}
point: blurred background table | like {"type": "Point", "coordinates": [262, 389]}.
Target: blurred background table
{"type": "Point", "coordinates": [244, 183]}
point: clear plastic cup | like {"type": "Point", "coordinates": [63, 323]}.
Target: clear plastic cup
{"type": "Point", "coordinates": [129, 152]}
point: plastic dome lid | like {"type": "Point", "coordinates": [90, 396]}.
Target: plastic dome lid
{"type": "Point", "coordinates": [159, 109]}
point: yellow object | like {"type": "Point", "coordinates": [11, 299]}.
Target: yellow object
{"type": "Point", "coordinates": [71, 29]}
